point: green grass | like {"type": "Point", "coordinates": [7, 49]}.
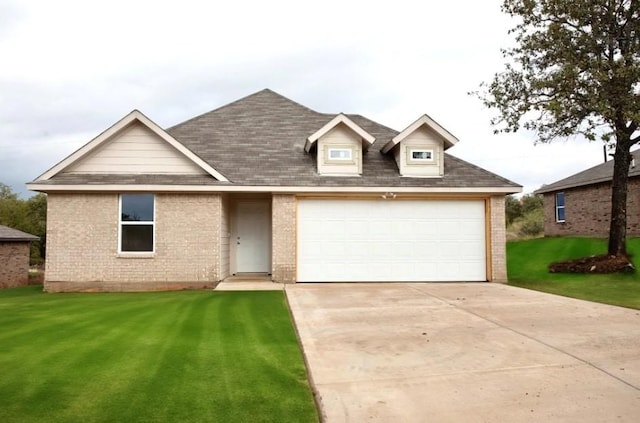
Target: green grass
{"type": "Point", "coordinates": [527, 263]}
{"type": "Point", "coordinates": [153, 357]}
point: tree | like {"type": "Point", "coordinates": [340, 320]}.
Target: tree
{"type": "Point", "coordinates": [25, 215]}
{"type": "Point", "coordinates": [574, 70]}
{"type": "Point", "coordinates": [531, 202]}
{"type": "Point", "coordinates": [512, 208]}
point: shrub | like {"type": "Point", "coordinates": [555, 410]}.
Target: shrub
{"type": "Point", "coordinates": [532, 224]}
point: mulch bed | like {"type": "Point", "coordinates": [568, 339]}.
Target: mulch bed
{"type": "Point", "coordinates": [594, 264]}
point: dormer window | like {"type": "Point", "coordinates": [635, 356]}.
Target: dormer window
{"type": "Point", "coordinates": [340, 154]}
{"type": "Point", "coordinates": [420, 155]}
{"type": "Point", "coordinates": [339, 145]}
{"type": "Point", "coordinates": [419, 149]}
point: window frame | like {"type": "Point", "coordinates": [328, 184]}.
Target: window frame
{"type": "Point", "coordinates": [122, 223]}
{"type": "Point", "coordinates": [340, 159]}
{"type": "Point", "coordinates": [412, 150]}
{"type": "Point", "coordinates": [562, 207]}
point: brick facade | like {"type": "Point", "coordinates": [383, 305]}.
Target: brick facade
{"type": "Point", "coordinates": [498, 242]}
{"type": "Point", "coordinates": [191, 243]}
{"type": "Point", "coordinates": [283, 265]}
{"type": "Point", "coordinates": [82, 238]}
{"type": "Point", "coordinates": [14, 264]}
{"type": "Point", "coordinates": [587, 211]}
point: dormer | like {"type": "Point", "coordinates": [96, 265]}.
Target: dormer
{"type": "Point", "coordinates": [419, 149]}
{"type": "Point", "coordinates": [340, 145]}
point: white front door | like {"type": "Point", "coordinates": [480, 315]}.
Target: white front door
{"type": "Point", "coordinates": [253, 237]}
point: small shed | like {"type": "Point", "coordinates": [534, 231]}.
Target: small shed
{"type": "Point", "coordinates": [14, 257]}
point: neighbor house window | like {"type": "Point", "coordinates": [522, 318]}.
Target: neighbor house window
{"type": "Point", "coordinates": [560, 207]}
{"type": "Point", "coordinates": [340, 154]}
{"type": "Point", "coordinates": [137, 221]}
{"type": "Point", "coordinates": [421, 155]}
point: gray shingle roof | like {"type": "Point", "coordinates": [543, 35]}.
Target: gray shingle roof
{"type": "Point", "coordinates": [259, 141]}
{"type": "Point", "coordinates": [8, 234]}
{"type": "Point", "coordinates": [595, 175]}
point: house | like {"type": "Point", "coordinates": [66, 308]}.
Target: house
{"type": "Point", "coordinates": [14, 257]}
{"type": "Point", "coordinates": [580, 205]}
{"type": "Point", "coordinates": [267, 186]}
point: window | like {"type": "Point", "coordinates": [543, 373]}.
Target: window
{"type": "Point", "coordinates": [421, 155]}
{"type": "Point", "coordinates": [340, 154]}
{"type": "Point", "coordinates": [560, 207]}
{"type": "Point", "coordinates": [137, 220]}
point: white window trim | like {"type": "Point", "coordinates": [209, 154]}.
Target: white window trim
{"type": "Point", "coordinates": [340, 159]}
{"type": "Point", "coordinates": [132, 223]}
{"type": "Point", "coordinates": [557, 207]}
{"type": "Point", "coordinates": [421, 150]}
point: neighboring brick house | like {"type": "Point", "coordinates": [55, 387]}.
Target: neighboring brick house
{"type": "Point", "coordinates": [14, 257]}
{"type": "Point", "coordinates": [580, 205]}
{"type": "Point", "coordinates": [267, 186]}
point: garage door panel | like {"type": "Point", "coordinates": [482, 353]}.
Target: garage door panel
{"type": "Point", "coordinates": [369, 240]}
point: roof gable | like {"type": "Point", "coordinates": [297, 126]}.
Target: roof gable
{"type": "Point", "coordinates": [258, 144]}
{"type": "Point", "coordinates": [448, 139]}
{"type": "Point", "coordinates": [129, 137]}
{"type": "Point", "coordinates": [367, 139]}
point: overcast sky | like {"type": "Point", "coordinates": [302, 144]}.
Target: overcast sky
{"type": "Point", "coordinates": [70, 69]}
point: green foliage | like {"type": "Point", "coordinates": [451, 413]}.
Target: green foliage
{"type": "Point", "coordinates": [189, 356]}
{"type": "Point", "coordinates": [531, 202]}
{"type": "Point", "coordinates": [528, 261]}
{"type": "Point", "coordinates": [513, 209]}
{"type": "Point", "coordinates": [532, 223]}
{"type": "Point", "coordinates": [26, 215]}
{"type": "Point", "coordinates": [524, 216]}
{"type": "Point", "coordinates": [574, 70]}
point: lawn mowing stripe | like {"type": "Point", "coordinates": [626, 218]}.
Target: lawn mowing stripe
{"type": "Point", "coordinates": [151, 357]}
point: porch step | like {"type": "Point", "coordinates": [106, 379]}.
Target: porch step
{"type": "Point", "coordinates": [249, 277]}
{"type": "Point", "coordinates": [249, 282]}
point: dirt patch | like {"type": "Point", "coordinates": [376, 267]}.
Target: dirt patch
{"type": "Point", "coordinates": [594, 264]}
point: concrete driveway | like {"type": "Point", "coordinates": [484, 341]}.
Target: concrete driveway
{"type": "Point", "coordinates": [466, 353]}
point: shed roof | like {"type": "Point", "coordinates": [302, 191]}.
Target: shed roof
{"type": "Point", "coordinates": [8, 234]}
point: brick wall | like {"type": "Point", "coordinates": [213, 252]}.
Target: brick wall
{"type": "Point", "coordinates": [82, 244]}
{"type": "Point", "coordinates": [283, 265]}
{"type": "Point", "coordinates": [14, 264]}
{"type": "Point", "coordinates": [498, 240]}
{"type": "Point", "coordinates": [587, 211]}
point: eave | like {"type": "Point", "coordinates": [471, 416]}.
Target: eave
{"type": "Point", "coordinates": [424, 120]}
{"type": "Point", "coordinates": [270, 189]}
{"type": "Point", "coordinates": [367, 139]}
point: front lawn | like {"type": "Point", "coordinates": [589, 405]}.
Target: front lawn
{"type": "Point", "coordinates": [150, 357]}
{"type": "Point", "coordinates": [528, 260]}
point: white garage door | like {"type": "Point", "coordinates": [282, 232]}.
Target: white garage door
{"type": "Point", "coordinates": [390, 240]}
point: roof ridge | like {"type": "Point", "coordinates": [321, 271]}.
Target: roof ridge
{"type": "Point", "coordinates": [224, 106]}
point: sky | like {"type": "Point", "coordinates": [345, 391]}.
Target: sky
{"type": "Point", "coordinates": [70, 69]}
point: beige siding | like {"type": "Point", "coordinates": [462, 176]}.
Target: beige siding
{"type": "Point", "coordinates": [136, 150]}
{"type": "Point", "coordinates": [498, 230]}
{"type": "Point", "coordinates": [423, 138]}
{"type": "Point", "coordinates": [82, 240]}
{"type": "Point", "coordinates": [340, 137]}
{"type": "Point", "coordinates": [283, 235]}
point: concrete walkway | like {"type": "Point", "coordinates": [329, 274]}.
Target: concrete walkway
{"type": "Point", "coordinates": [466, 353]}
